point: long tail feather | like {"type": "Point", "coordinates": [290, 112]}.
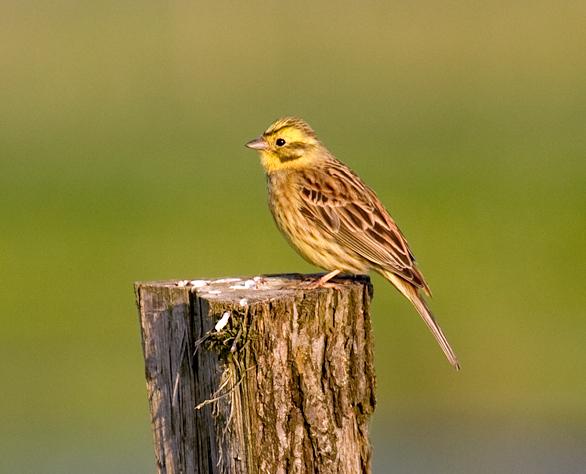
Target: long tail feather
{"type": "Point", "coordinates": [412, 294]}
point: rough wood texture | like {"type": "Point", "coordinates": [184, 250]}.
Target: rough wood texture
{"type": "Point", "coordinates": [286, 386]}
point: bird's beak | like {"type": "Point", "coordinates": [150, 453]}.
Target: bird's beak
{"type": "Point", "coordinates": [257, 144]}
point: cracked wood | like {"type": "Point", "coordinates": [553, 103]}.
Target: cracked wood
{"type": "Point", "coordinates": [286, 386]}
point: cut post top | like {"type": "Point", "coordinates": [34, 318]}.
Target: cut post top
{"type": "Point", "coordinates": [256, 288]}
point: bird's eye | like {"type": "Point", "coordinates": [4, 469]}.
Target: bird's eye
{"type": "Point", "coordinates": [280, 141]}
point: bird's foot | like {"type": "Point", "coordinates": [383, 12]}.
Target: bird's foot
{"type": "Point", "coordinates": [323, 281]}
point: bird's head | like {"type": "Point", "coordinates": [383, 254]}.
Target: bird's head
{"type": "Point", "coordinates": [289, 143]}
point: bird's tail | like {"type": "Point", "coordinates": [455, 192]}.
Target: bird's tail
{"type": "Point", "coordinates": [412, 294]}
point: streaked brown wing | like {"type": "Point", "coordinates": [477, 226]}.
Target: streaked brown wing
{"type": "Point", "coordinates": [342, 205]}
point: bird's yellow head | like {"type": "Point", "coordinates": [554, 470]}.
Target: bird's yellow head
{"type": "Point", "coordinates": [289, 143]}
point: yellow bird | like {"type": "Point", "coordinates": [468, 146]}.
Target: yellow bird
{"type": "Point", "coordinates": [333, 219]}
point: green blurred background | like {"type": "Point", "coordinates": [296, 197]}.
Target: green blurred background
{"type": "Point", "coordinates": [121, 134]}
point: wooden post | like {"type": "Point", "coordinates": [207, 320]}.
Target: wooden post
{"type": "Point", "coordinates": [259, 376]}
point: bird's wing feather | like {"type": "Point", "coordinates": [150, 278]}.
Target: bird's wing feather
{"type": "Point", "coordinates": [342, 205]}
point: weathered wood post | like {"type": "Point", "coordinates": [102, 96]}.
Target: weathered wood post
{"type": "Point", "coordinates": [259, 376]}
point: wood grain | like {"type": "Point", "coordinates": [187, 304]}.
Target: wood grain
{"type": "Point", "coordinates": [286, 386]}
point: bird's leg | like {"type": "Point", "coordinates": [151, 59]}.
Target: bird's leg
{"type": "Point", "coordinates": [323, 280]}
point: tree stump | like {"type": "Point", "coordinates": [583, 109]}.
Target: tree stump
{"type": "Point", "coordinates": [263, 375]}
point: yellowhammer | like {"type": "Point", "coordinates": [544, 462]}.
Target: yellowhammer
{"type": "Point", "coordinates": [333, 219]}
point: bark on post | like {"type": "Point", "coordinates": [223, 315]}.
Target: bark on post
{"type": "Point", "coordinates": [259, 376]}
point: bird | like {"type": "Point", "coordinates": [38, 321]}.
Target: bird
{"type": "Point", "coordinates": [334, 220]}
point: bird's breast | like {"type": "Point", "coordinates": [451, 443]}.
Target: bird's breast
{"type": "Point", "coordinates": [316, 245]}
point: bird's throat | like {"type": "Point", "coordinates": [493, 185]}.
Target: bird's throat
{"type": "Point", "coordinates": [272, 162]}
